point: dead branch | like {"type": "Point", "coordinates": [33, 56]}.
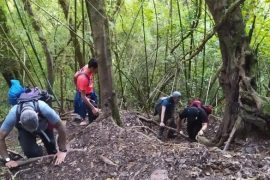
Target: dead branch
{"type": "Point", "coordinates": [31, 160]}
{"type": "Point", "coordinates": [107, 161]}
{"type": "Point", "coordinates": [235, 127]}
{"type": "Point", "coordinates": [145, 127]}
{"type": "Point", "coordinates": [13, 177]}
{"type": "Point", "coordinates": [156, 123]}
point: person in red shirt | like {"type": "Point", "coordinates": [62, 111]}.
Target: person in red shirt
{"type": "Point", "coordinates": [85, 98]}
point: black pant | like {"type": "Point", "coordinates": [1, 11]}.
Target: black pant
{"type": "Point", "coordinates": [91, 116]}
{"type": "Point", "coordinates": [168, 121]}
{"type": "Point", "coordinates": [193, 128]}
{"type": "Point", "coordinates": [29, 145]}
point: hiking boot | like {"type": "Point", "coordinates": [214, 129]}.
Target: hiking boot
{"type": "Point", "coordinates": [160, 133]}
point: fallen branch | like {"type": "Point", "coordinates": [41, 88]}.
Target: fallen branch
{"type": "Point", "coordinates": [235, 127]}
{"type": "Point", "coordinates": [145, 127]}
{"type": "Point", "coordinates": [31, 160]}
{"type": "Point", "coordinates": [107, 161]}
{"type": "Point", "coordinates": [156, 123]}
{"type": "Point", "coordinates": [15, 175]}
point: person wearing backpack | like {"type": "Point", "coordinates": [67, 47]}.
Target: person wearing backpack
{"type": "Point", "coordinates": [197, 119]}
{"type": "Point", "coordinates": [165, 108]}
{"type": "Point", "coordinates": [33, 118]}
{"type": "Point", "coordinates": [85, 100]}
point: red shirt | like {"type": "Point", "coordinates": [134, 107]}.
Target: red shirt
{"type": "Point", "coordinates": [85, 84]}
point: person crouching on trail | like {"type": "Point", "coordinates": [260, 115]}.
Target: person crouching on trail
{"type": "Point", "coordinates": [197, 119]}
{"type": "Point", "coordinates": [85, 98]}
{"type": "Point", "coordinates": [165, 109]}
{"type": "Point", "coordinates": [33, 119]}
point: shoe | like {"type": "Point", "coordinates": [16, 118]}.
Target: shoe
{"type": "Point", "coordinates": [84, 123]}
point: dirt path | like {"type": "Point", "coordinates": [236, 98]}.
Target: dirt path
{"type": "Point", "coordinates": [107, 151]}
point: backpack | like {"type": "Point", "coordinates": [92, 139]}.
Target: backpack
{"type": "Point", "coordinates": [158, 105]}
{"type": "Point", "coordinates": [193, 114]}
{"type": "Point", "coordinates": [14, 91]}
{"type": "Point", "coordinates": [77, 74]}
{"type": "Point", "coordinates": [33, 95]}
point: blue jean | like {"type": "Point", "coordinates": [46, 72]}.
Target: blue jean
{"type": "Point", "coordinates": [81, 108]}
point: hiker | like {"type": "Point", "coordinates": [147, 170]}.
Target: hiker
{"type": "Point", "coordinates": [33, 118]}
{"type": "Point", "coordinates": [85, 100]}
{"type": "Point", "coordinates": [196, 115]}
{"type": "Point", "coordinates": [165, 109]}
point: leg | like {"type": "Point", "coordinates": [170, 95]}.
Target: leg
{"type": "Point", "coordinates": [50, 146]}
{"type": "Point", "coordinates": [161, 129]}
{"type": "Point", "coordinates": [79, 106]}
{"type": "Point", "coordinates": [28, 143]}
{"type": "Point", "coordinates": [193, 129]}
{"type": "Point", "coordinates": [171, 123]}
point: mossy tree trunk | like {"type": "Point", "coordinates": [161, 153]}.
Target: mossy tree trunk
{"type": "Point", "coordinates": [237, 77]}
{"type": "Point", "coordinates": [100, 33]}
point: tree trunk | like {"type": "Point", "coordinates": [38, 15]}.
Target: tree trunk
{"type": "Point", "coordinates": [237, 76]}
{"type": "Point", "coordinates": [49, 59]}
{"type": "Point", "coordinates": [100, 33]}
{"type": "Point", "coordinates": [79, 56]}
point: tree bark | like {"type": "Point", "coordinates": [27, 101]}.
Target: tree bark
{"type": "Point", "coordinates": [49, 59]}
{"type": "Point", "coordinates": [237, 76]}
{"type": "Point", "coordinates": [100, 33]}
{"type": "Point", "coordinates": [78, 54]}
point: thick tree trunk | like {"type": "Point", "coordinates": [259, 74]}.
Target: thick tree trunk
{"type": "Point", "coordinates": [79, 56]}
{"type": "Point", "coordinates": [237, 77]}
{"type": "Point", "coordinates": [100, 33]}
{"type": "Point", "coordinates": [49, 59]}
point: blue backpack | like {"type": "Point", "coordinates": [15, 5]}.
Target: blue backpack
{"type": "Point", "coordinates": [15, 91]}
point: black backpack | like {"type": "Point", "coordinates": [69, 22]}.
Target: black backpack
{"type": "Point", "coordinates": [193, 114]}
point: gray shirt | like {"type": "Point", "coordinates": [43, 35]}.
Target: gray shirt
{"type": "Point", "coordinates": [47, 112]}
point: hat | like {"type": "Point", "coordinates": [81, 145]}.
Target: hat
{"type": "Point", "coordinates": [29, 120]}
{"type": "Point", "coordinates": [176, 94]}
{"type": "Point", "coordinates": [196, 103]}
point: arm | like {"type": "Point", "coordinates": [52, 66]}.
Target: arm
{"type": "Point", "coordinates": [61, 154]}
{"type": "Point", "coordinates": [3, 147]}
{"type": "Point", "coordinates": [62, 135]}
{"type": "Point", "coordinates": [163, 109]}
{"type": "Point", "coordinates": [204, 126]}
{"type": "Point", "coordinates": [88, 103]}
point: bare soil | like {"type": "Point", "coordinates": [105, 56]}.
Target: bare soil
{"type": "Point", "coordinates": [105, 151]}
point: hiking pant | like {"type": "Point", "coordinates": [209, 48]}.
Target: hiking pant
{"type": "Point", "coordinates": [81, 108]}
{"type": "Point", "coordinates": [168, 121]}
{"type": "Point", "coordinates": [31, 148]}
{"type": "Point", "coordinates": [193, 129]}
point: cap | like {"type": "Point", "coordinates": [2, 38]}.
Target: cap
{"type": "Point", "coordinates": [196, 103]}
{"type": "Point", "coordinates": [176, 94]}
{"type": "Point", "coordinates": [29, 120]}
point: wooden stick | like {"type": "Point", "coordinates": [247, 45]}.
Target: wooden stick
{"type": "Point", "coordinates": [156, 123]}
{"type": "Point", "coordinates": [235, 127]}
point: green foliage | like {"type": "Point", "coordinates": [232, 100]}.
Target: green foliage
{"type": "Point", "coordinates": [163, 33]}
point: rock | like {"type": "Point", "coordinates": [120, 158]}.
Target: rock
{"type": "Point", "coordinates": [159, 174]}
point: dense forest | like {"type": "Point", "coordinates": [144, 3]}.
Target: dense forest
{"type": "Point", "coordinates": [214, 50]}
